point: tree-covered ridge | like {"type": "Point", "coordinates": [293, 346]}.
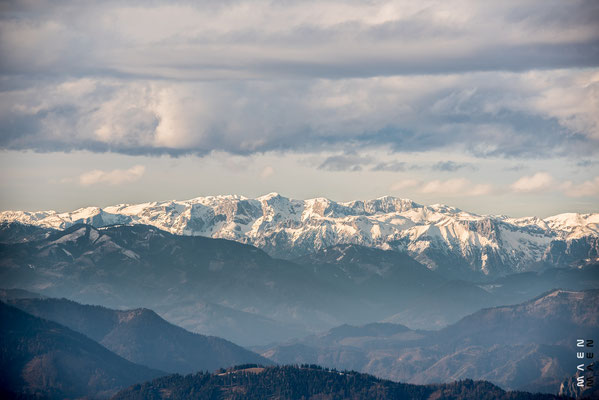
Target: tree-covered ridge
{"type": "Point", "coordinates": [307, 382]}
{"type": "Point", "coordinates": [45, 359]}
{"type": "Point", "coordinates": [141, 336]}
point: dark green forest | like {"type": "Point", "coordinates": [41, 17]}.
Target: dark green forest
{"type": "Point", "coordinates": [307, 382]}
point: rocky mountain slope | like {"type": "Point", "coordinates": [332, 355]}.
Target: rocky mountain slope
{"type": "Point", "coordinates": [455, 242]}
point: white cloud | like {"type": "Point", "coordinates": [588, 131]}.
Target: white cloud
{"type": "Point", "coordinates": [584, 189]}
{"type": "Point", "coordinates": [574, 102]}
{"type": "Point", "coordinates": [544, 182]}
{"type": "Point", "coordinates": [480, 190]}
{"type": "Point", "coordinates": [503, 116]}
{"type": "Point", "coordinates": [114, 177]}
{"type": "Point", "coordinates": [538, 182]}
{"type": "Point", "coordinates": [449, 187]}
{"type": "Point", "coordinates": [405, 184]}
{"type": "Point", "coordinates": [268, 171]}
{"type": "Point", "coordinates": [248, 77]}
{"type": "Point", "coordinates": [456, 186]}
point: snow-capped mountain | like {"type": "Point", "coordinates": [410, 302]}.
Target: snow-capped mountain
{"type": "Point", "coordinates": [445, 238]}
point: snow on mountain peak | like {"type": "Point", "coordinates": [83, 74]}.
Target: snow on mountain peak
{"type": "Point", "coordinates": [288, 228]}
{"type": "Point", "coordinates": [268, 196]}
{"type": "Point", "coordinates": [576, 225]}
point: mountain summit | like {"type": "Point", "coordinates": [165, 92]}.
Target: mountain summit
{"type": "Point", "coordinates": [444, 238]}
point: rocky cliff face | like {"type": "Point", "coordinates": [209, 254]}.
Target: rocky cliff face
{"type": "Point", "coordinates": [444, 238]}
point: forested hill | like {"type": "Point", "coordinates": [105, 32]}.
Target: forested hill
{"type": "Point", "coordinates": [308, 382]}
{"type": "Point", "coordinates": [44, 360]}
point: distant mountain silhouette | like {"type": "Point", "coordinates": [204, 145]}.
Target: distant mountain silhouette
{"type": "Point", "coordinates": [529, 346]}
{"type": "Point", "coordinates": [235, 291]}
{"type": "Point", "coordinates": [47, 360]}
{"type": "Point", "coordinates": [392, 278]}
{"type": "Point", "coordinates": [231, 289]}
{"type": "Point", "coordinates": [141, 336]}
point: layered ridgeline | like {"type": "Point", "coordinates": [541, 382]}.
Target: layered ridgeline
{"type": "Point", "coordinates": [46, 360]}
{"type": "Point", "coordinates": [238, 292]}
{"type": "Point", "coordinates": [308, 382]}
{"type": "Point", "coordinates": [43, 359]}
{"type": "Point", "coordinates": [212, 286]}
{"type": "Point", "coordinates": [529, 346]}
{"type": "Point", "coordinates": [443, 238]}
{"type": "Point", "coordinates": [140, 336]}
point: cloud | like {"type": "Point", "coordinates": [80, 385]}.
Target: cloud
{"type": "Point", "coordinates": [405, 184]}
{"type": "Point", "coordinates": [456, 186]}
{"type": "Point", "coordinates": [267, 172]}
{"type": "Point", "coordinates": [516, 167]}
{"type": "Point", "coordinates": [538, 182]}
{"type": "Point", "coordinates": [502, 118]}
{"type": "Point", "coordinates": [241, 77]}
{"type": "Point", "coordinates": [479, 190]}
{"type": "Point", "coordinates": [345, 162]}
{"type": "Point", "coordinates": [451, 166]}
{"type": "Point", "coordinates": [587, 163]}
{"type": "Point", "coordinates": [584, 189]}
{"type": "Point", "coordinates": [354, 162]}
{"type": "Point", "coordinates": [322, 39]}
{"type": "Point", "coordinates": [450, 187]}
{"type": "Point", "coordinates": [392, 166]}
{"type": "Point", "coordinates": [114, 177]}
{"type": "Point", "coordinates": [544, 182]}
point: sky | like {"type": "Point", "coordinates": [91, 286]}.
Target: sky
{"type": "Point", "coordinates": [492, 107]}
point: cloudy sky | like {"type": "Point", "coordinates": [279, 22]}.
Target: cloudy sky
{"type": "Point", "coordinates": [492, 107]}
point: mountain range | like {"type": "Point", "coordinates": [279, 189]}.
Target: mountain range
{"type": "Point", "coordinates": [388, 287]}
{"type": "Point", "coordinates": [454, 242]}
{"type": "Point", "coordinates": [238, 292]}
{"type": "Point", "coordinates": [530, 346]}
{"type": "Point", "coordinates": [56, 348]}
{"type": "Point", "coordinates": [141, 336]}
{"type": "Point", "coordinates": [221, 285]}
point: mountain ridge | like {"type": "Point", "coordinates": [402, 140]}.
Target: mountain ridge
{"type": "Point", "coordinates": [238, 292]}
{"type": "Point", "coordinates": [444, 238]}
{"type": "Point", "coordinates": [309, 382]}
{"type": "Point", "coordinates": [44, 359]}
{"type": "Point", "coordinates": [527, 346]}
{"type": "Point", "coordinates": [140, 336]}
